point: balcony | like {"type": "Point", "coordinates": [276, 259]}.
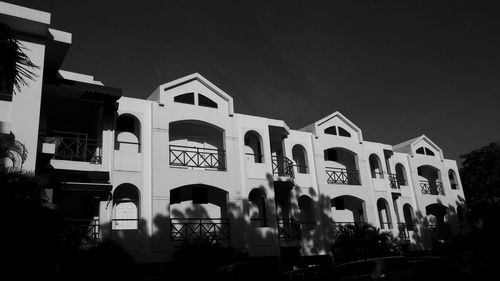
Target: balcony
{"type": "Point", "coordinates": [393, 181]}
{"type": "Point", "coordinates": [196, 157]}
{"type": "Point", "coordinates": [404, 231]}
{"type": "Point", "coordinates": [199, 229]}
{"type": "Point", "coordinates": [339, 227]}
{"type": "Point", "coordinates": [282, 166]}
{"type": "Point", "coordinates": [86, 229]}
{"type": "Point", "coordinates": [431, 187]}
{"type": "Point", "coordinates": [289, 229]}
{"type": "Point", "coordinates": [342, 176]}
{"type": "Point", "coordinates": [73, 146]}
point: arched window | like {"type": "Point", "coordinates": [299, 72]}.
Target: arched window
{"type": "Point", "coordinates": [258, 209]}
{"type": "Point", "coordinates": [306, 207]}
{"type": "Point", "coordinates": [409, 218]}
{"type": "Point", "coordinates": [204, 101]}
{"type": "Point", "coordinates": [401, 174]}
{"type": "Point", "coordinates": [343, 132]}
{"type": "Point", "coordinates": [384, 214]}
{"type": "Point", "coordinates": [125, 207]}
{"type": "Point", "coordinates": [425, 151]}
{"type": "Point", "coordinates": [128, 133]}
{"type": "Point", "coordinates": [187, 98]}
{"type": "Point", "coordinates": [253, 147]}
{"type": "Point", "coordinates": [300, 157]}
{"type": "Point", "coordinates": [452, 176]}
{"type": "Point", "coordinates": [430, 180]}
{"type": "Point", "coordinates": [331, 130]}
{"type": "Point", "coordinates": [376, 167]}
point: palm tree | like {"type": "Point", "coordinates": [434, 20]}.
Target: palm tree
{"type": "Point", "coordinates": [15, 66]}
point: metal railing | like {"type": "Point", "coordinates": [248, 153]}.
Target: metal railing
{"type": "Point", "coordinates": [196, 157]}
{"type": "Point", "coordinates": [125, 224]}
{"type": "Point", "coordinates": [440, 232]}
{"type": "Point", "coordinates": [386, 225]}
{"type": "Point", "coordinates": [87, 230]}
{"type": "Point", "coordinates": [431, 187]}
{"type": "Point", "coordinates": [289, 229]}
{"type": "Point", "coordinates": [339, 227]}
{"type": "Point", "coordinates": [257, 158]}
{"type": "Point", "coordinates": [302, 169]}
{"type": "Point", "coordinates": [377, 175]}
{"type": "Point", "coordinates": [342, 176]}
{"type": "Point", "coordinates": [401, 181]}
{"type": "Point", "coordinates": [404, 231]}
{"type": "Point", "coordinates": [282, 166]}
{"type": "Point", "coordinates": [73, 146]}
{"type": "Point", "coordinates": [212, 229]}
{"type": "Point", "coordinates": [393, 181]}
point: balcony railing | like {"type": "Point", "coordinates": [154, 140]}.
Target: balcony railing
{"type": "Point", "coordinates": [302, 169]}
{"type": "Point", "coordinates": [433, 187]}
{"type": "Point", "coordinates": [196, 157]}
{"type": "Point", "coordinates": [86, 230]}
{"type": "Point", "coordinates": [126, 224]}
{"type": "Point", "coordinates": [393, 181]}
{"type": "Point", "coordinates": [339, 227]}
{"type": "Point", "coordinates": [213, 229]}
{"type": "Point", "coordinates": [386, 225]}
{"type": "Point", "coordinates": [440, 232]}
{"type": "Point", "coordinates": [404, 231]}
{"type": "Point", "coordinates": [282, 166]}
{"type": "Point", "coordinates": [342, 176]}
{"type": "Point", "coordinates": [74, 146]}
{"type": "Point", "coordinates": [289, 229]}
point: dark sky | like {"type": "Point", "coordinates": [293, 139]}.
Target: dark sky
{"type": "Point", "coordinates": [395, 69]}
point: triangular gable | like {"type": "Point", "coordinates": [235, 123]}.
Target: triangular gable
{"type": "Point", "coordinates": [198, 77]}
{"type": "Point", "coordinates": [342, 118]}
{"type": "Point", "coordinates": [411, 145]}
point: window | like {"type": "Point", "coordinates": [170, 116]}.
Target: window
{"type": "Point", "coordinates": [258, 207]}
{"type": "Point", "coordinates": [204, 101]}
{"type": "Point", "coordinates": [331, 130]}
{"type": "Point", "coordinates": [425, 151]}
{"type": "Point", "coordinates": [344, 133]}
{"type": "Point", "coordinates": [185, 98]}
{"type": "Point", "coordinates": [125, 207]}
{"type": "Point", "coordinates": [331, 155]}
{"type": "Point", "coordinates": [341, 131]}
{"type": "Point", "coordinates": [300, 157]}
{"type": "Point", "coordinates": [253, 149]}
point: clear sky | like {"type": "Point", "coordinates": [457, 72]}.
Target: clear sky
{"type": "Point", "coordinates": [397, 70]}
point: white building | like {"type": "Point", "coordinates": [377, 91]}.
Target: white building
{"type": "Point", "coordinates": [182, 165]}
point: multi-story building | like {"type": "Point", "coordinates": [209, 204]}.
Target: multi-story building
{"type": "Point", "coordinates": [181, 165]}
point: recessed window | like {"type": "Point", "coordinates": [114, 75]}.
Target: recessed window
{"type": "Point", "coordinates": [331, 130]}
{"type": "Point", "coordinates": [425, 151]}
{"type": "Point", "coordinates": [204, 101]}
{"type": "Point", "coordinates": [185, 98]}
{"type": "Point", "coordinates": [343, 132]}
{"type": "Point", "coordinates": [334, 130]}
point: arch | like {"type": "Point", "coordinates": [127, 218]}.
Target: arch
{"type": "Point", "coordinates": [126, 203]}
{"type": "Point", "coordinates": [430, 180]}
{"type": "Point", "coordinates": [452, 176]}
{"type": "Point", "coordinates": [128, 136]}
{"type": "Point", "coordinates": [376, 166]}
{"type": "Point", "coordinates": [401, 174]}
{"type": "Point", "coordinates": [346, 208]}
{"type": "Point", "coordinates": [198, 201]}
{"type": "Point", "coordinates": [206, 102]}
{"type": "Point", "coordinates": [384, 214]}
{"type": "Point", "coordinates": [306, 207]}
{"type": "Point", "coordinates": [409, 216]}
{"type": "Point", "coordinates": [437, 213]}
{"type": "Point", "coordinates": [299, 155]}
{"type": "Point", "coordinates": [341, 166]}
{"type": "Point", "coordinates": [253, 146]}
{"type": "Point", "coordinates": [196, 144]}
{"type": "Point", "coordinates": [258, 208]}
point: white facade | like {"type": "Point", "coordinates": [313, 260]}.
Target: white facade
{"type": "Point", "coordinates": [182, 165]}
